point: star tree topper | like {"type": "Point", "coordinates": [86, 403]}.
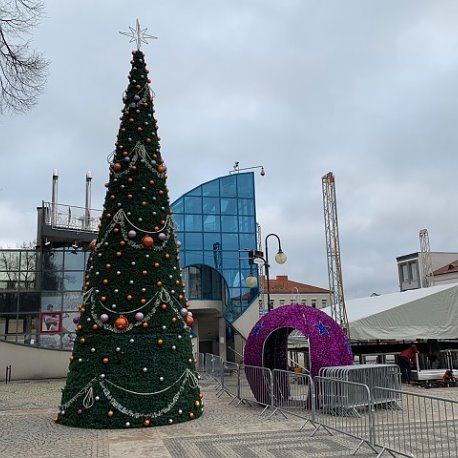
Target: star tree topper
{"type": "Point", "coordinates": [138, 34]}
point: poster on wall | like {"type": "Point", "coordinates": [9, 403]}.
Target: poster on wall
{"type": "Point", "coordinates": [50, 322]}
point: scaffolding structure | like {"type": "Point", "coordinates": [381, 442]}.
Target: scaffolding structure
{"type": "Point", "coordinates": [338, 308]}
{"type": "Point", "coordinates": [426, 261]}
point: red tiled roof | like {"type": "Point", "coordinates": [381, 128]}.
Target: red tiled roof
{"type": "Point", "coordinates": [449, 268]}
{"type": "Point", "coordinates": [282, 284]}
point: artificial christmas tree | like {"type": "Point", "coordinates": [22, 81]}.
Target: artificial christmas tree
{"type": "Point", "coordinates": [132, 363]}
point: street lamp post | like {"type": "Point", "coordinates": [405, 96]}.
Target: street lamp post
{"type": "Point", "coordinates": [280, 258]}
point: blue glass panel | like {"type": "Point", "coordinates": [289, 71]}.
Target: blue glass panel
{"type": "Point", "coordinates": [212, 259]}
{"type": "Point", "coordinates": [230, 258]}
{"type": "Point", "coordinates": [247, 224]}
{"type": "Point", "coordinates": [178, 206]}
{"type": "Point", "coordinates": [193, 241]}
{"type": "Point", "coordinates": [228, 206]}
{"type": "Point", "coordinates": [212, 223]}
{"type": "Point", "coordinates": [228, 186]}
{"type": "Point", "coordinates": [180, 238]}
{"type": "Point", "coordinates": [195, 192]}
{"type": "Point", "coordinates": [193, 223]}
{"type": "Point", "coordinates": [229, 223]}
{"type": "Point", "coordinates": [179, 222]}
{"type": "Point", "coordinates": [247, 241]}
{"type": "Point", "coordinates": [73, 281]}
{"type": "Point", "coordinates": [183, 259]}
{"type": "Point", "coordinates": [192, 205]}
{"type": "Point", "coordinates": [74, 261]}
{"type": "Point", "coordinates": [194, 257]}
{"type": "Point", "coordinates": [246, 207]}
{"type": "Point", "coordinates": [210, 239]}
{"type": "Point", "coordinates": [53, 259]}
{"type": "Point", "coordinates": [233, 279]}
{"type": "Point", "coordinates": [211, 188]}
{"type": "Point", "coordinates": [210, 205]}
{"type": "Point", "coordinates": [245, 184]}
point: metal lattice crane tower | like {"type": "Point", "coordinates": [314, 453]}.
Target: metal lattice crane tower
{"type": "Point", "coordinates": [426, 261]}
{"type": "Point", "coordinates": [338, 309]}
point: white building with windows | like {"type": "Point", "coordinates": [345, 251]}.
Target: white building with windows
{"type": "Point", "coordinates": [411, 269]}
{"type": "Point", "coordinates": [284, 291]}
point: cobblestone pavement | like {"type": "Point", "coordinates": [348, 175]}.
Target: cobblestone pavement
{"type": "Point", "coordinates": [224, 431]}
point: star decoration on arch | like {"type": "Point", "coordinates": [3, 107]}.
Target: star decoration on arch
{"type": "Point", "coordinates": [322, 329]}
{"type": "Point", "coordinates": [138, 34]}
{"type": "Point", "coordinates": [257, 329]}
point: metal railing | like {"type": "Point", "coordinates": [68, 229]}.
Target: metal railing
{"type": "Point", "coordinates": [68, 217]}
{"type": "Point", "coordinates": [425, 426]}
{"type": "Point", "coordinates": [377, 413]}
{"type": "Point", "coordinates": [386, 375]}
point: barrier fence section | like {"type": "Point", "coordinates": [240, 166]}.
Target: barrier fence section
{"type": "Point", "coordinates": [294, 393]}
{"type": "Point", "coordinates": [425, 426]}
{"type": "Point", "coordinates": [384, 375]}
{"type": "Point", "coordinates": [256, 386]}
{"type": "Point", "coordinates": [230, 380]}
{"type": "Point", "coordinates": [385, 419]}
{"type": "Point", "coordinates": [214, 368]}
{"type": "Point", "coordinates": [200, 365]}
{"type": "Point", "coordinates": [345, 407]}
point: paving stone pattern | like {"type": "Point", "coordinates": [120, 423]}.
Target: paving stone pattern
{"type": "Point", "coordinates": [224, 431]}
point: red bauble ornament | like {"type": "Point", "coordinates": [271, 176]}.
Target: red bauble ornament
{"type": "Point", "coordinates": [189, 320]}
{"type": "Point", "coordinates": [121, 323]}
{"type": "Point", "coordinates": [147, 241]}
{"type": "Point", "coordinates": [93, 245]}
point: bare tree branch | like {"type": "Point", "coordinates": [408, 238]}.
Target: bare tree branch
{"type": "Point", "coordinates": [23, 71]}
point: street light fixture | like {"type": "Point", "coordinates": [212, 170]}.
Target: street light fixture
{"type": "Point", "coordinates": [280, 258]}
{"type": "Point", "coordinates": [237, 169]}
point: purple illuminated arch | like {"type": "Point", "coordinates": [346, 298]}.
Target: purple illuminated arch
{"type": "Point", "coordinates": [268, 340]}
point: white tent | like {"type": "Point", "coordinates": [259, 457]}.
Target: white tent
{"type": "Point", "coordinates": [425, 313]}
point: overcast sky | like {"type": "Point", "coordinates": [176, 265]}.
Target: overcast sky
{"type": "Point", "coordinates": [364, 89]}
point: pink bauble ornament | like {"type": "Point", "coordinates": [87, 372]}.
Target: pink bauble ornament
{"type": "Point", "coordinates": [139, 316]}
{"type": "Point", "coordinates": [162, 236]}
{"type": "Point", "coordinates": [76, 319]}
{"type": "Point", "coordinates": [104, 318]}
{"type": "Point", "coordinates": [178, 243]}
{"type": "Point", "coordinates": [92, 245]}
{"type": "Point", "coordinates": [183, 312]}
{"type": "Point", "coordinates": [132, 234]}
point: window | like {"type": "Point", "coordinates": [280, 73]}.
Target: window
{"type": "Point", "coordinates": [404, 272]}
{"type": "Point", "coordinates": [282, 302]}
{"type": "Point", "coordinates": [324, 302]}
{"type": "Point", "coordinates": [314, 303]}
{"type": "Point", "coordinates": [413, 271]}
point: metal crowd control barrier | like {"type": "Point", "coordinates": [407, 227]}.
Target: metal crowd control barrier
{"type": "Point", "coordinates": [335, 407]}
{"type": "Point", "coordinates": [200, 365]}
{"type": "Point", "coordinates": [384, 375]}
{"type": "Point", "coordinates": [214, 368]}
{"type": "Point", "coordinates": [426, 426]}
{"type": "Point", "coordinates": [255, 386]}
{"type": "Point", "coordinates": [293, 393]}
{"type": "Point", "coordinates": [229, 379]}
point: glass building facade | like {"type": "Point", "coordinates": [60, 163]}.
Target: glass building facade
{"type": "Point", "coordinates": [216, 224]}
{"type": "Point", "coordinates": [39, 295]}
{"type": "Point", "coordinates": [40, 290]}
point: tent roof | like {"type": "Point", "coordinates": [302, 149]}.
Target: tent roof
{"type": "Point", "coordinates": [425, 313]}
